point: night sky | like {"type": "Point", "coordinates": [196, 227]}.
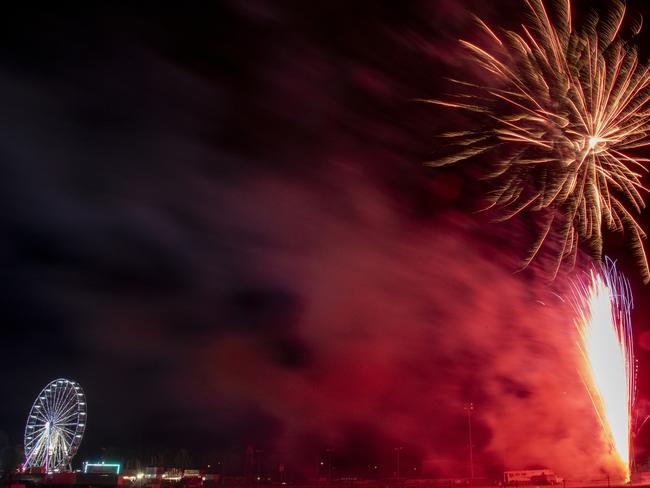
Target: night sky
{"type": "Point", "coordinates": [217, 219]}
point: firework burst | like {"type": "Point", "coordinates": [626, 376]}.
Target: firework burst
{"type": "Point", "coordinates": [563, 120]}
{"type": "Point", "coordinates": [603, 302]}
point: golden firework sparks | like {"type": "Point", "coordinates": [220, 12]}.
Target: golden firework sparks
{"type": "Point", "coordinates": [603, 302]}
{"type": "Point", "coordinates": [563, 120]}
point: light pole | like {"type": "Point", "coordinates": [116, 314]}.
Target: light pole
{"type": "Point", "coordinates": [329, 463]}
{"type": "Point", "coordinates": [397, 451]}
{"type": "Point", "coordinates": [259, 465]}
{"type": "Point", "coordinates": [468, 408]}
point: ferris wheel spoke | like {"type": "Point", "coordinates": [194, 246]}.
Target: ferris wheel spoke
{"type": "Point", "coordinates": [57, 446]}
{"type": "Point", "coordinates": [42, 400]}
{"type": "Point", "coordinates": [45, 401]}
{"type": "Point", "coordinates": [50, 409]}
{"type": "Point", "coordinates": [42, 417]}
{"type": "Point", "coordinates": [71, 395]}
{"type": "Point", "coordinates": [65, 455]}
{"type": "Point", "coordinates": [54, 399]}
{"type": "Point", "coordinates": [38, 414]}
{"type": "Point", "coordinates": [71, 433]}
{"type": "Point", "coordinates": [32, 441]}
{"type": "Point", "coordinates": [34, 438]}
{"type": "Point", "coordinates": [69, 439]}
{"type": "Point", "coordinates": [58, 397]}
{"type": "Point", "coordinates": [39, 405]}
{"type": "Point", "coordinates": [67, 424]}
{"type": "Point", "coordinates": [32, 450]}
{"type": "Point", "coordinates": [37, 420]}
{"type": "Point", "coordinates": [35, 450]}
{"type": "Point", "coordinates": [65, 413]}
{"type": "Point", "coordinates": [66, 442]}
{"type": "Point", "coordinates": [68, 405]}
{"type": "Point", "coordinates": [61, 402]}
{"type": "Point", "coordinates": [37, 430]}
{"type": "Point", "coordinates": [49, 397]}
{"type": "Point", "coordinates": [56, 436]}
{"type": "Point", "coordinates": [60, 447]}
{"type": "Point", "coordinates": [64, 448]}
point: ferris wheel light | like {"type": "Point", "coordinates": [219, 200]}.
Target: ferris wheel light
{"type": "Point", "coordinates": [52, 436]}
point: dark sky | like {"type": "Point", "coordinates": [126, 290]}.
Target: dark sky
{"type": "Point", "coordinates": [216, 219]}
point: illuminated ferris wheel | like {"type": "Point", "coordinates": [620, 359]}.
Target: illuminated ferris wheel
{"type": "Point", "coordinates": [55, 426]}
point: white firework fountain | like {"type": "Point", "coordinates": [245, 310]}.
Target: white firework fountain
{"type": "Point", "coordinates": [55, 426]}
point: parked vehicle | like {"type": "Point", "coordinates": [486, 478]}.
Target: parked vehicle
{"type": "Point", "coordinates": [531, 477]}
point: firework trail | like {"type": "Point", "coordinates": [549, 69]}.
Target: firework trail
{"type": "Point", "coordinates": [603, 302]}
{"type": "Point", "coordinates": [563, 122]}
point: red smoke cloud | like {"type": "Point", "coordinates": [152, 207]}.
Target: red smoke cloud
{"type": "Point", "coordinates": [399, 325]}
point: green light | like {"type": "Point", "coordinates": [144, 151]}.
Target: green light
{"type": "Point", "coordinates": [117, 466]}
